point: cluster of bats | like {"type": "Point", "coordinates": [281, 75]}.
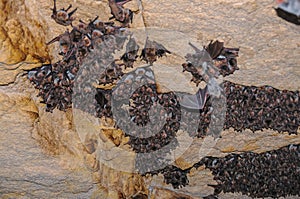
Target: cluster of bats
{"type": "Point", "coordinates": [209, 62]}
{"type": "Point", "coordinates": [94, 32]}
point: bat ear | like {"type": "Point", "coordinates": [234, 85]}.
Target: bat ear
{"type": "Point", "coordinates": [94, 19]}
{"type": "Point", "coordinates": [72, 12]}
{"type": "Point", "coordinates": [131, 16]}
{"type": "Point", "coordinates": [54, 40]}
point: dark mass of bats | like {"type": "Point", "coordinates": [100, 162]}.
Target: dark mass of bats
{"type": "Point", "coordinates": [247, 107]}
{"type": "Point", "coordinates": [55, 81]}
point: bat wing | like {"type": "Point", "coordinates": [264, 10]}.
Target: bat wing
{"type": "Point", "coordinates": [289, 11]}
{"type": "Point", "coordinates": [132, 45]}
{"type": "Point", "coordinates": [197, 50]}
{"type": "Point", "coordinates": [121, 2]}
{"type": "Point", "coordinates": [101, 97]}
{"type": "Point", "coordinates": [160, 48]}
{"type": "Point", "coordinates": [214, 48]}
{"type": "Point", "coordinates": [194, 102]}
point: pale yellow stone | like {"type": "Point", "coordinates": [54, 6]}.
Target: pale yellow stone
{"type": "Point", "coordinates": [228, 149]}
{"type": "Point", "coordinates": [100, 193]}
{"type": "Point", "coordinates": [167, 194]}
{"type": "Point", "coordinates": [182, 164]}
{"type": "Point", "coordinates": [91, 162]}
{"type": "Point", "coordinates": [250, 146]}
{"type": "Point", "coordinates": [7, 77]}
{"type": "Point", "coordinates": [269, 54]}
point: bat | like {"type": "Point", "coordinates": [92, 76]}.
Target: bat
{"type": "Point", "coordinates": [196, 101]}
{"type": "Point", "coordinates": [121, 14]}
{"type": "Point", "coordinates": [131, 53]}
{"type": "Point", "coordinates": [214, 48]}
{"type": "Point", "coordinates": [152, 50]}
{"type": "Point", "coordinates": [62, 16]}
{"type": "Point", "coordinates": [289, 10]}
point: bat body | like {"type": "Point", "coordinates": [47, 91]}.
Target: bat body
{"type": "Point", "coordinates": [129, 57]}
{"type": "Point", "coordinates": [152, 50]}
{"type": "Point", "coordinates": [121, 14]}
{"type": "Point", "coordinates": [65, 42]}
{"type": "Point", "coordinates": [214, 49]}
{"type": "Point", "coordinates": [62, 16]}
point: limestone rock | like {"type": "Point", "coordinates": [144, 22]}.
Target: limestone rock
{"type": "Point", "coordinates": [269, 48]}
{"type": "Point", "coordinates": [42, 155]}
{"type": "Point", "coordinates": [167, 194]}
{"type": "Point", "coordinates": [26, 171]}
{"type": "Point", "coordinates": [22, 38]}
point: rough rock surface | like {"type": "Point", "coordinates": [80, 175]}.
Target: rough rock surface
{"type": "Point", "coordinates": [41, 155]}
{"type": "Point", "coordinates": [26, 170]}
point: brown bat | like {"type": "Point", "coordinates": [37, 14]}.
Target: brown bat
{"type": "Point", "coordinates": [152, 50]}
{"type": "Point", "coordinates": [62, 16]}
{"type": "Point", "coordinates": [112, 72]}
{"type": "Point", "coordinates": [129, 57]}
{"type": "Point", "coordinates": [223, 58]}
{"type": "Point", "coordinates": [200, 65]}
{"type": "Point", "coordinates": [214, 48]}
{"type": "Point", "coordinates": [121, 14]}
{"type": "Point", "coordinates": [65, 42]}
{"type": "Point", "coordinates": [86, 28]}
{"type": "Point", "coordinates": [194, 102]}
{"type": "Point", "coordinates": [99, 25]}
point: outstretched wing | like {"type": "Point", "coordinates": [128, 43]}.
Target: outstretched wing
{"type": "Point", "coordinates": [289, 11]}
{"type": "Point", "coordinates": [194, 102]}
{"type": "Point", "coordinates": [214, 48]}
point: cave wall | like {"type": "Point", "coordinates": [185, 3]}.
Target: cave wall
{"type": "Point", "coordinates": [41, 153]}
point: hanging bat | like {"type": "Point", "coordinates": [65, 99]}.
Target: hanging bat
{"type": "Point", "coordinates": [129, 57]}
{"type": "Point", "coordinates": [200, 64]}
{"type": "Point", "coordinates": [289, 10]}
{"type": "Point", "coordinates": [65, 42]}
{"type": "Point", "coordinates": [152, 50]}
{"type": "Point", "coordinates": [62, 16]}
{"type": "Point", "coordinates": [121, 14]}
{"type": "Point", "coordinates": [214, 48]}
{"type": "Point", "coordinates": [194, 102]}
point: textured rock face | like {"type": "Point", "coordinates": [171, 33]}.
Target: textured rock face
{"type": "Point", "coordinates": [22, 38]}
{"type": "Point", "coordinates": [26, 171]}
{"type": "Point", "coordinates": [41, 153]}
